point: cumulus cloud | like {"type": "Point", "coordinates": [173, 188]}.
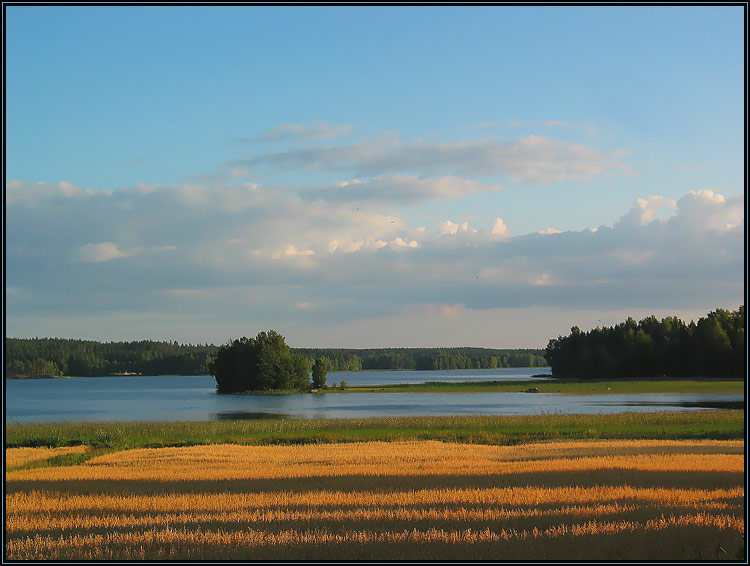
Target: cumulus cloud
{"type": "Point", "coordinates": [710, 209]}
{"type": "Point", "coordinates": [550, 230]}
{"type": "Point", "coordinates": [401, 243]}
{"type": "Point", "coordinates": [298, 132]}
{"type": "Point", "coordinates": [244, 252]}
{"type": "Point", "coordinates": [448, 227]}
{"type": "Point", "coordinates": [531, 159]}
{"type": "Point", "coordinates": [499, 228]}
{"type": "Point", "coordinates": [645, 209]}
{"type": "Point", "coordinates": [350, 246]}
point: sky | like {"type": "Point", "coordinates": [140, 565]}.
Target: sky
{"type": "Point", "coordinates": [370, 176]}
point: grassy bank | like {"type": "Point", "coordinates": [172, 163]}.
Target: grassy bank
{"type": "Point", "coordinates": [500, 430]}
{"type": "Point", "coordinates": [561, 387]}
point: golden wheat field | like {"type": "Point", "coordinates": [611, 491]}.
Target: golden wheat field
{"type": "Point", "coordinates": [19, 456]}
{"type": "Point", "coordinates": [585, 500]}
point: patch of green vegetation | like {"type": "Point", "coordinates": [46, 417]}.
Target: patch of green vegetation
{"type": "Point", "coordinates": [563, 386]}
{"type": "Point", "coordinates": [60, 460]}
{"type": "Point", "coordinates": [723, 424]}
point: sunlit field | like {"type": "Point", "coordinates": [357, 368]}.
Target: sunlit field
{"type": "Point", "coordinates": [16, 457]}
{"type": "Point", "coordinates": [609, 500]}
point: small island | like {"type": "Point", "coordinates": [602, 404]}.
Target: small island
{"type": "Point", "coordinates": [263, 364]}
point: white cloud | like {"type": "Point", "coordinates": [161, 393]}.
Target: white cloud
{"type": "Point", "coordinates": [105, 251]}
{"type": "Point", "coordinates": [350, 246]}
{"type": "Point", "coordinates": [448, 227]}
{"type": "Point", "coordinates": [708, 195]}
{"type": "Point", "coordinates": [17, 191]}
{"type": "Point", "coordinates": [499, 228]}
{"type": "Point", "coordinates": [550, 230]}
{"type": "Point", "coordinates": [645, 209]}
{"type": "Point", "coordinates": [401, 243]}
{"type": "Point", "coordinates": [291, 251]}
{"type": "Point", "coordinates": [209, 252]}
{"type": "Point", "coordinates": [711, 209]}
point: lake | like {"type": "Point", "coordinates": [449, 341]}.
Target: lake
{"type": "Point", "coordinates": [193, 398]}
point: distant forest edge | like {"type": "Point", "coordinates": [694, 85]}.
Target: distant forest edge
{"type": "Point", "coordinates": [30, 357]}
{"type": "Point", "coordinates": [713, 347]}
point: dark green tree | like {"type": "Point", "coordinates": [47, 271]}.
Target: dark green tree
{"type": "Point", "coordinates": [301, 373]}
{"type": "Point", "coordinates": [319, 370]}
{"type": "Point", "coordinates": [712, 347]}
{"type": "Point", "coordinates": [263, 363]}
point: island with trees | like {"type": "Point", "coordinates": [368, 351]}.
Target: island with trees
{"type": "Point", "coordinates": [263, 363]}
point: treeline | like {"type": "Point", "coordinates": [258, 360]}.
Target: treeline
{"type": "Point", "coordinates": [87, 358]}
{"type": "Point", "coordinates": [342, 359]}
{"type": "Point", "coordinates": [712, 347]}
{"type": "Point", "coordinates": [56, 356]}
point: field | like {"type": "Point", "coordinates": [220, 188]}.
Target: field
{"type": "Point", "coordinates": [418, 499]}
{"type": "Point", "coordinates": [28, 457]}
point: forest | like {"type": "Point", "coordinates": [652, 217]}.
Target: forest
{"type": "Point", "coordinates": [343, 359]}
{"type": "Point", "coordinates": [712, 347]}
{"type": "Point", "coordinates": [26, 357]}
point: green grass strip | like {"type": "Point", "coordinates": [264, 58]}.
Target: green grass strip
{"type": "Point", "coordinates": [500, 430]}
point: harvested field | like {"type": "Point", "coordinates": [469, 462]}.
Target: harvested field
{"type": "Point", "coordinates": [608, 500]}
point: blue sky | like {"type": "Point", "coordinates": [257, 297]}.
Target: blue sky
{"type": "Point", "coordinates": [247, 130]}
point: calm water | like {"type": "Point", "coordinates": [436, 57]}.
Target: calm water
{"type": "Point", "coordinates": [385, 377]}
{"type": "Point", "coordinates": [193, 398]}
